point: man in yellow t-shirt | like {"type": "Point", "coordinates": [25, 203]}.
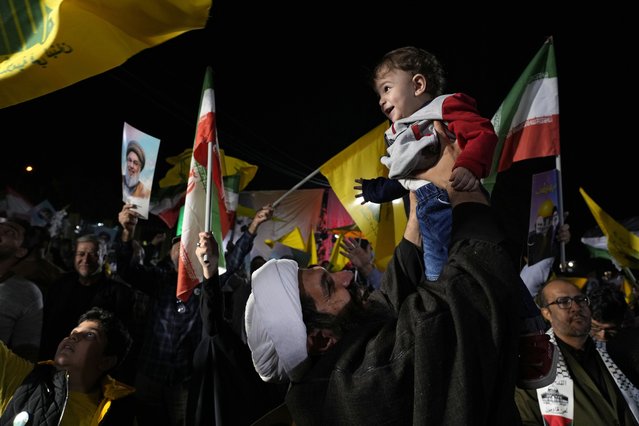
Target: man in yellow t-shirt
{"type": "Point", "coordinates": [80, 367]}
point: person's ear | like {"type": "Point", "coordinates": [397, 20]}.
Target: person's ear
{"type": "Point", "coordinates": [319, 341]}
{"type": "Point", "coordinates": [545, 312]}
{"type": "Point", "coordinates": [420, 83]}
{"type": "Point", "coordinates": [107, 362]}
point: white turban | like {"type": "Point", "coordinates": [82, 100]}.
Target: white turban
{"type": "Point", "coordinates": [275, 330]}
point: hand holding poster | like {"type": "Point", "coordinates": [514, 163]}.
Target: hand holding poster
{"type": "Point", "coordinates": [139, 155]}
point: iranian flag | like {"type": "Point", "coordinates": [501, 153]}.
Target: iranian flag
{"type": "Point", "coordinates": [527, 121]}
{"type": "Point", "coordinates": [198, 214]}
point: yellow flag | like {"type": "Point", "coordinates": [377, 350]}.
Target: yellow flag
{"type": "Point", "coordinates": [293, 239]}
{"type": "Point", "coordinates": [179, 173]}
{"type": "Point", "coordinates": [234, 166]}
{"type": "Point", "coordinates": [245, 211]}
{"type": "Point", "coordinates": [51, 44]}
{"type": "Point", "coordinates": [312, 249]}
{"type": "Point", "coordinates": [580, 282]}
{"type": "Point", "coordinates": [383, 225]}
{"type": "Point", "coordinates": [337, 259]}
{"type": "Point", "coordinates": [628, 291]}
{"type": "Point", "coordinates": [623, 245]}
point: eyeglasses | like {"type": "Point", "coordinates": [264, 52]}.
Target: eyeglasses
{"type": "Point", "coordinates": [565, 302]}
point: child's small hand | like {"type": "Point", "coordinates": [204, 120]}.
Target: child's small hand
{"type": "Point", "coordinates": [359, 187]}
{"type": "Point", "coordinates": [463, 179]}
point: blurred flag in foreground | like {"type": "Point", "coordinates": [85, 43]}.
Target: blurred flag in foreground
{"type": "Point", "coordinates": [382, 224]}
{"type": "Point", "coordinates": [194, 221]}
{"type": "Point", "coordinates": [527, 121]}
{"type": "Point", "coordinates": [52, 44]}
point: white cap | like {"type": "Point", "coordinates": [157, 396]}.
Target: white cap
{"type": "Point", "coordinates": [275, 329]}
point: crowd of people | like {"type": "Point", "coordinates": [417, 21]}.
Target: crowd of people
{"type": "Point", "coordinates": [452, 332]}
{"type": "Point", "coordinates": [132, 351]}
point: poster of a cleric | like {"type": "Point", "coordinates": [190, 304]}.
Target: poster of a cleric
{"type": "Point", "coordinates": [544, 217]}
{"type": "Point", "coordinates": [139, 155]}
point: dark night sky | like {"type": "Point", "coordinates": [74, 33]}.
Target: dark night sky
{"type": "Point", "coordinates": [292, 91]}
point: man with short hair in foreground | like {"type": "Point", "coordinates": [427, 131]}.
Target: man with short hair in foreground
{"type": "Point", "coordinates": [74, 388]}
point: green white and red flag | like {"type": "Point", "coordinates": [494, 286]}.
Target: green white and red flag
{"type": "Point", "coordinates": [527, 121]}
{"type": "Point", "coordinates": [196, 211]}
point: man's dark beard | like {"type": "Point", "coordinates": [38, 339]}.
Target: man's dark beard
{"type": "Point", "coordinates": [351, 316]}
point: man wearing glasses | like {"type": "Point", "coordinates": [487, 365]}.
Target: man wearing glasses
{"type": "Point", "coordinates": [589, 387]}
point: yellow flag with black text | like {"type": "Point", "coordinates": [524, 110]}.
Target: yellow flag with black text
{"type": "Point", "coordinates": [382, 224]}
{"type": "Point", "coordinates": [51, 44]}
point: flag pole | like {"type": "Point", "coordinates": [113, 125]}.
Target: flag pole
{"type": "Point", "coordinates": [560, 201]}
{"type": "Point", "coordinates": [302, 182]}
{"type": "Point", "coordinates": [630, 276]}
{"type": "Point", "coordinates": [209, 182]}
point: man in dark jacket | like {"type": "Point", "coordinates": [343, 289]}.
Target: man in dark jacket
{"type": "Point", "coordinates": [589, 388]}
{"type": "Point", "coordinates": [173, 331]}
{"type": "Point", "coordinates": [416, 352]}
{"type": "Point", "coordinates": [74, 387]}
